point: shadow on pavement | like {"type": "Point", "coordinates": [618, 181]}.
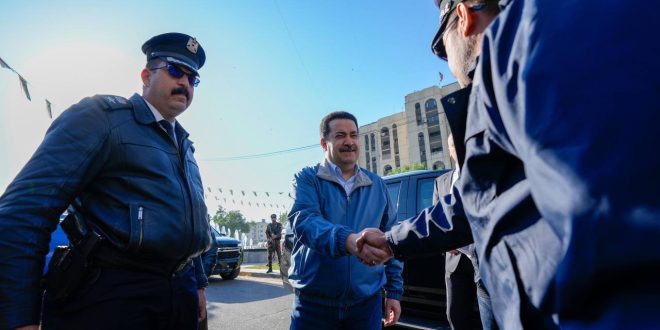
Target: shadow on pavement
{"type": "Point", "coordinates": [242, 290]}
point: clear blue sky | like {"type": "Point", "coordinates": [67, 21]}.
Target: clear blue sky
{"type": "Point", "coordinates": [273, 69]}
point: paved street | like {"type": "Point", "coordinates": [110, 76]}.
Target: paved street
{"type": "Point", "coordinates": [248, 303]}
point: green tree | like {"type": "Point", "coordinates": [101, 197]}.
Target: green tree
{"type": "Point", "coordinates": [282, 218]}
{"type": "Point", "coordinates": [231, 220]}
{"type": "Point", "coordinates": [408, 168]}
{"type": "Point", "coordinates": [219, 215]}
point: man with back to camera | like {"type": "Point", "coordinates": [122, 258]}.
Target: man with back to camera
{"type": "Point", "coordinates": [332, 202]}
{"type": "Point", "coordinates": [130, 165]}
{"type": "Point", "coordinates": [273, 234]}
{"type": "Point", "coordinates": [559, 225]}
{"type": "Point", "coordinates": [458, 41]}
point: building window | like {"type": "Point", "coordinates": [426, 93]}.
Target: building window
{"type": "Point", "coordinates": [366, 151]}
{"type": "Point", "coordinates": [395, 136]}
{"type": "Point", "coordinates": [433, 127]}
{"type": "Point", "coordinates": [431, 104]}
{"type": "Point", "coordinates": [387, 169]}
{"type": "Point", "coordinates": [385, 142]}
{"type": "Point", "coordinates": [373, 165]}
{"type": "Point", "coordinates": [422, 148]}
{"type": "Point", "coordinates": [439, 165]}
{"type": "Point", "coordinates": [418, 114]}
{"type": "Point", "coordinates": [373, 142]}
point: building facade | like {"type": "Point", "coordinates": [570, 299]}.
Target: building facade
{"type": "Point", "coordinates": [258, 232]}
{"type": "Point", "coordinates": [417, 135]}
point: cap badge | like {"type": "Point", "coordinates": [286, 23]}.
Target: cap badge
{"type": "Point", "coordinates": [192, 45]}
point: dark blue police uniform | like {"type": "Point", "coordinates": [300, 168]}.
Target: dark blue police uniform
{"type": "Point", "coordinates": [559, 173]}
{"type": "Point", "coordinates": [138, 188]}
{"type": "Point", "coordinates": [561, 165]}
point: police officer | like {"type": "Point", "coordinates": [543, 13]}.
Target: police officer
{"type": "Point", "coordinates": [130, 164]}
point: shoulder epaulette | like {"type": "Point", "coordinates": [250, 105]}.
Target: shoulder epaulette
{"type": "Point", "coordinates": [113, 102]}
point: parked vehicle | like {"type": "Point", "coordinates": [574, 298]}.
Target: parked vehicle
{"type": "Point", "coordinates": [424, 302]}
{"type": "Point", "coordinates": [286, 245]}
{"type": "Point", "coordinates": [230, 255]}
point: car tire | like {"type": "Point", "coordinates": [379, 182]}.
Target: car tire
{"type": "Point", "coordinates": [231, 275]}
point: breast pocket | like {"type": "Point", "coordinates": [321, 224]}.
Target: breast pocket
{"type": "Point", "coordinates": [145, 153]}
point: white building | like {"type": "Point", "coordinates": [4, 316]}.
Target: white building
{"type": "Point", "coordinates": [417, 135]}
{"type": "Point", "coordinates": [258, 232]}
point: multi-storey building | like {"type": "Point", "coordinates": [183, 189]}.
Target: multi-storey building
{"type": "Point", "coordinates": [258, 232]}
{"type": "Point", "coordinates": [417, 135]}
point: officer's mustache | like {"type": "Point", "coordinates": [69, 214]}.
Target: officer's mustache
{"type": "Point", "coordinates": [349, 148]}
{"type": "Point", "coordinates": [180, 90]}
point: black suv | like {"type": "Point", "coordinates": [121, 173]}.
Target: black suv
{"type": "Point", "coordinates": [230, 256]}
{"type": "Point", "coordinates": [424, 302]}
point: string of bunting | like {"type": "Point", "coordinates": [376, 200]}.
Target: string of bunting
{"type": "Point", "coordinates": [24, 86]}
{"type": "Point", "coordinates": [247, 197]}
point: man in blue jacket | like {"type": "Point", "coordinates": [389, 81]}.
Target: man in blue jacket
{"type": "Point", "coordinates": [131, 166]}
{"type": "Point", "coordinates": [335, 200]}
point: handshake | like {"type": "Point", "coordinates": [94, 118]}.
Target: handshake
{"type": "Point", "coordinates": [370, 246]}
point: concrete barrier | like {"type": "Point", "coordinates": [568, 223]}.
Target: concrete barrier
{"type": "Point", "coordinates": [255, 256]}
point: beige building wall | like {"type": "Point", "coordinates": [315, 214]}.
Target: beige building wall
{"type": "Point", "coordinates": [258, 232]}
{"type": "Point", "coordinates": [417, 135]}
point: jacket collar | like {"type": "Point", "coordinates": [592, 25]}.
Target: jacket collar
{"type": "Point", "coordinates": [456, 106]}
{"type": "Point", "coordinates": [141, 110]}
{"type": "Point", "coordinates": [143, 115]}
{"type": "Point", "coordinates": [325, 172]}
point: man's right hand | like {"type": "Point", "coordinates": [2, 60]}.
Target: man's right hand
{"type": "Point", "coordinates": [371, 253]}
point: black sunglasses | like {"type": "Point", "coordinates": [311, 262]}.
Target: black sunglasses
{"type": "Point", "coordinates": [438, 44]}
{"type": "Point", "coordinates": [177, 73]}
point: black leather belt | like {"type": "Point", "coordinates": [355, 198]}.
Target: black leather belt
{"type": "Point", "coordinates": [108, 256]}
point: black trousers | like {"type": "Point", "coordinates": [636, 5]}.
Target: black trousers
{"type": "Point", "coordinates": [124, 299]}
{"type": "Point", "coordinates": [461, 293]}
{"type": "Point", "coordinates": [274, 248]}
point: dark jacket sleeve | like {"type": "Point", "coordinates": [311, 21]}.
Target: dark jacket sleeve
{"type": "Point", "coordinates": [436, 229]}
{"type": "Point", "coordinates": [200, 274]}
{"type": "Point", "coordinates": [393, 267]}
{"type": "Point", "coordinates": [69, 156]}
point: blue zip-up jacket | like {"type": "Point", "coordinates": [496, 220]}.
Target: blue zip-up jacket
{"type": "Point", "coordinates": [323, 216]}
{"type": "Point", "coordinates": [137, 189]}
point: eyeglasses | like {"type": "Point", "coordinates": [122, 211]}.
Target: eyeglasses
{"type": "Point", "coordinates": [177, 73]}
{"type": "Point", "coordinates": [438, 43]}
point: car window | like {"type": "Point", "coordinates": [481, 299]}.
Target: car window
{"type": "Point", "coordinates": [393, 189]}
{"type": "Point", "coordinates": [424, 193]}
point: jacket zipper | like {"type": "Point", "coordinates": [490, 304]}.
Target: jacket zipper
{"type": "Point", "coordinates": [141, 222]}
{"type": "Point", "coordinates": [348, 286]}
{"type": "Point", "coordinates": [189, 192]}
